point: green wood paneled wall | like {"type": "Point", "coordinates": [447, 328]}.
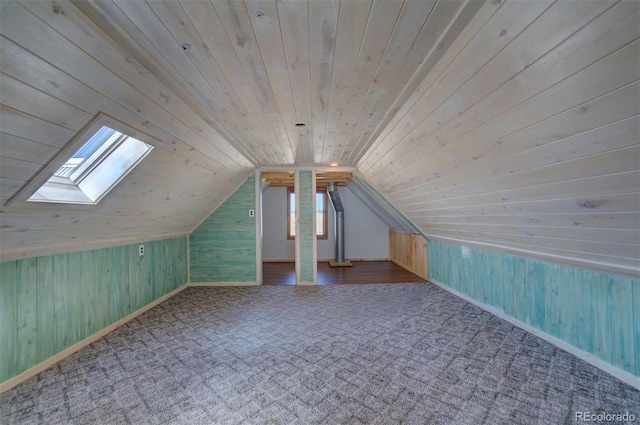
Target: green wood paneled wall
{"type": "Point", "coordinates": [223, 247]}
{"type": "Point", "coordinates": [595, 312]}
{"type": "Point", "coordinates": [307, 228]}
{"type": "Point", "coordinates": [49, 303]}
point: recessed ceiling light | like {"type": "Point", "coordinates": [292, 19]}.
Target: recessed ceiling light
{"type": "Point", "coordinates": [334, 164]}
{"type": "Point", "coordinates": [300, 124]}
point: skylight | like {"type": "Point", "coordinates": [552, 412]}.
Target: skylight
{"type": "Point", "coordinates": [102, 139]}
{"type": "Point", "coordinates": [102, 161]}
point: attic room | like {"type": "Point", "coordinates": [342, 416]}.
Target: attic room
{"type": "Point", "coordinates": [141, 143]}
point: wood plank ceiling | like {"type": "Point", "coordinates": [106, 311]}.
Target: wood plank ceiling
{"type": "Point", "coordinates": [506, 124]}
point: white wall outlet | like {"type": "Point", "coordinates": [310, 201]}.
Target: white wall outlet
{"type": "Point", "coordinates": [141, 250]}
{"type": "Point", "coordinates": [252, 212]}
{"type": "Point", "coordinates": [466, 252]}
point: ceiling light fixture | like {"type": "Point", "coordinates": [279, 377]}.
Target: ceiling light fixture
{"type": "Point", "coordinates": [334, 164]}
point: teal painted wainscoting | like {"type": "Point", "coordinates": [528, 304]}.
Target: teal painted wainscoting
{"type": "Point", "coordinates": [597, 313]}
{"type": "Point", "coordinates": [49, 303]}
{"type": "Point", "coordinates": [223, 247]}
{"type": "Point", "coordinates": [306, 229]}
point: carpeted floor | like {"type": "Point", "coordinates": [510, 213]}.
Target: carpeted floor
{"type": "Point", "coordinates": [377, 354]}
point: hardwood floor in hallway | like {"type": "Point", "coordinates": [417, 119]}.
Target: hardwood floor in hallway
{"type": "Point", "coordinates": [362, 272]}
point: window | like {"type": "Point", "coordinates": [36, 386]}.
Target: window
{"type": "Point", "coordinates": [104, 157]}
{"type": "Point", "coordinates": [321, 214]}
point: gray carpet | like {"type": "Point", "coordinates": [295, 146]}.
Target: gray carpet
{"type": "Point", "coordinates": [376, 354]}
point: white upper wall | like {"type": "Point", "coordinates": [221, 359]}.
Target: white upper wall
{"type": "Point", "coordinates": [366, 236]}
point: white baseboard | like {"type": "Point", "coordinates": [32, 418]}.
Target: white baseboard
{"type": "Point", "coordinates": [18, 379]}
{"type": "Point", "coordinates": [220, 284]}
{"type": "Point", "coordinates": [622, 375]}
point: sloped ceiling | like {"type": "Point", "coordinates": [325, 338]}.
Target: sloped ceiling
{"type": "Point", "coordinates": [507, 124]}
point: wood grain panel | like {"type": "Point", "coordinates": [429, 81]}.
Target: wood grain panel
{"type": "Point", "coordinates": [440, 62]}
{"type": "Point", "coordinates": [294, 26]}
{"type": "Point", "coordinates": [46, 308]}
{"type": "Point", "coordinates": [73, 25]}
{"type": "Point", "coordinates": [88, 286]}
{"type": "Point", "coordinates": [574, 233]}
{"type": "Point", "coordinates": [8, 187]}
{"type": "Point", "coordinates": [24, 149]}
{"type": "Point", "coordinates": [265, 21]}
{"type": "Point", "coordinates": [600, 287]}
{"type": "Point", "coordinates": [599, 109]}
{"type": "Point", "coordinates": [305, 227]}
{"type": "Point", "coordinates": [20, 124]}
{"type": "Point", "coordinates": [27, 320]}
{"type": "Point", "coordinates": [323, 28]}
{"type": "Point", "coordinates": [551, 302]}
{"type": "Point", "coordinates": [51, 302]}
{"type": "Point", "coordinates": [574, 305]}
{"type": "Point", "coordinates": [120, 295]}
{"type": "Point", "coordinates": [381, 23]}
{"type": "Point", "coordinates": [75, 319]}
{"type": "Point", "coordinates": [419, 247]}
{"type": "Point", "coordinates": [566, 326]}
{"type": "Point", "coordinates": [180, 42]}
{"type": "Point", "coordinates": [584, 220]}
{"type": "Point", "coordinates": [589, 187]}
{"type": "Point", "coordinates": [409, 251]}
{"type": "Point", "coordinates": [408, 25]}
{"type": "Point", "coordinates": [623, 346]}
{"type": "Point", "coordinates": [253, 131]}
{"type": "Point", "coordinates": [549, 110]}
{"type": "Point", "coordinates": [578, 205]}
{"type": "Point", "coordinates": [624, 251]}
{"type": "Point", "coordinates": [400, 250]}
{"type": "Point", "coordinates": [584, 290]}
{"type": "Point", "coordinates": [591, 261]}
{"type": "Point", "coordinates": [463, 119]}
{"type": "Point", "coordinates": [616, 161]}
{"type": "Point", "coordinates": [9, 320]}
{"type": "Point", "coordinates": [352, 23]}
{"type": "Point", "coordinates": [61, 297]}
{"type": "Point", "coordinates": [540, 145]}
{"type": "Point", "coordinates": [439, 34]}
{"type": "Point", "coordinates": [40, 104]}
{"type": "Point", "coordinates": [636, 319]}
{"type": "Point", "coordinates": [223, 248]}
{"type": "Point", "coordinates": [18, 170]}
{"type": "Point", "coordinates": [500, 28]}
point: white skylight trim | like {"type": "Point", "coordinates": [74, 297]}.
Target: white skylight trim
{"type": "Point", "coordinates": [93, 164]}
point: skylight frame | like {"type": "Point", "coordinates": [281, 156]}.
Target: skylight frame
{"type": "Point", "coordinates": [114, 141]}
{"type": "Point", "coordinates": [46, 176]}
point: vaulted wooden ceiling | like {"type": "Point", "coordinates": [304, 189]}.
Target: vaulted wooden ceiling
{"type": "Point", "coordinates": [505, 124]}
